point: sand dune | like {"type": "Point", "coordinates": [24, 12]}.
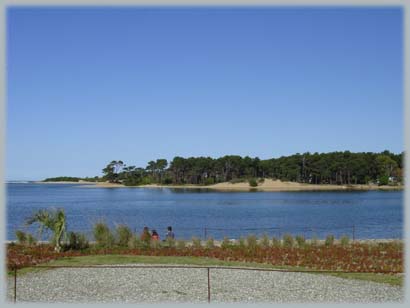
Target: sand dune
{"type": "Point", "coordinates": [267, 185]}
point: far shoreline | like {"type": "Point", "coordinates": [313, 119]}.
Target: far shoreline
{"type": "Point", "coordinates": [268, 185]}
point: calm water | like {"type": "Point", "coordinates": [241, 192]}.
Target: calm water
{"type": "Point", "coordinates": [374, 214]}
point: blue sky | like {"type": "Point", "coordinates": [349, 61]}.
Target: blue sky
{"type": "Point", "coordinates": [86, 86]}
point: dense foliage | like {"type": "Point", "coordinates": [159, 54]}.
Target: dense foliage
{"type": "Point", "coordinates": [63, 179]}
{"type": "Point", "coordinates": [340, 168]}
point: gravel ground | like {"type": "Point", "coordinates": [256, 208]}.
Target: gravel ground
{"type": "Point", "coordinates": [139, 285]}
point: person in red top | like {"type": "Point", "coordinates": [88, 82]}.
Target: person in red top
{"type": "Point", "coordinates": [155, 235]}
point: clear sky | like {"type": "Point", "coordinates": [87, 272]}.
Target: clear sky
{"type": "Point", "coordinates": [86, 86]}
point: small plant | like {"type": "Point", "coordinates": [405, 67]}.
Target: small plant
{"type": "Point", "coordinates": [314, 241]}
{"type": "Point", "coordinates": [241, 243]}
{"type": "Point", "coordinates": [226, 243]}
{"type": "Point", "coordinates": [181, 244]}
{"type": "Point", "coordinates": [288, 240]}
{"type": "Point", "coordinates": [253, 182]}
{"type": "Point", "coordinates": [210, 243]}
{"type": "Point", "coordinates": [124, 234]}
{"type": "Point", "coordinates": [169, 242]}
{"type": "Point", "coordinates": [21, 237]}
{"type": "Point", "coordinates": [261, 180]}
{"type": "Point", "coordinates": [344, 240]}
{"type": "Point", "coordinates": [265, 241]}
{"type": "Point", "coordinates": [330, 239]}
{"type": "Point", "coordinates": [300, 240]}
{"type": "Point", "coordinates": [275, 242]}
{"type": "Point", "coordinates": [196, 242]}
{"type": "Point", "coordinates": [251, 242]}
{"type": "Point", "coordinates": [103, 235]}
{"type": "Point", "coordinates": [31, 240]}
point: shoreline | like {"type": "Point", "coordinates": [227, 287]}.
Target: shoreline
{"type": "Point", "coordinates": [267, 185]}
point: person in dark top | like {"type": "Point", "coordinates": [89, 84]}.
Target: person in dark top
{"type": "Point", "coordinates": [170, 234]}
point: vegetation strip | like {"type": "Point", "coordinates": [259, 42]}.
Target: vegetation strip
{"type": "Point", "coordinates": [339, 168]}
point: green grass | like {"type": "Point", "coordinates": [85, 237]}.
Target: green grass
{"type": "Point", "coordinates": [200, 261]}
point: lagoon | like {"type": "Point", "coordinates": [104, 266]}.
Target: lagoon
{"type": "Point", "coordinates": [206, 213]}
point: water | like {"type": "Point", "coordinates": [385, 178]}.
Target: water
{"type": "Point", "coordinates": [364, 215]}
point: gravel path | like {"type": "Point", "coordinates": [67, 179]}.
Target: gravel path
{"type": "Point", "coordinates": [88, 285]}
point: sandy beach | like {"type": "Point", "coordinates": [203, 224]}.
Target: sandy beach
{"type": "Point", "coordinates": [267, 185]}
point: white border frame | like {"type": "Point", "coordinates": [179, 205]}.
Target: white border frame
{"type": "Point", "coordinates": [405, 4]}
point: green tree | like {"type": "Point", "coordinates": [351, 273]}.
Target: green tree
{"type": "Point", "coordinates": [53, 220]}
{"type": "Point", "coordinates": [112, 170]}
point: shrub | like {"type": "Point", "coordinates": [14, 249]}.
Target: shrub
{"type": "Point", "coordinates": [76, 241]}
{"type": "Point", "coordinates": [210, 243]}
{"type": "Point", "coordinates": [261, 180]}
{"type": "Point", "coordinates": [209, 181]}
{"type": "Point", "coordinates": [103, 235]}
{"type": "Point", "coordinates": [383, 180]}
{"type": "Point", "coordinates": [181, 244]}
{"type": "Point", "coordinates": [31, 240]}
{"type": "Point", "coordinates": [196, 242]}
{"type": "Point", "coordinates": [344, 240]}
{"type": "Point", "coordinates": [288, 240]}
{"type": "Point", "coordinates": [275, 242]}
{"type": "Point", "coordinates": [265, 241]}
{"type": "Point", "coordinates": [124, 234]}
{"type": "Point", "coordinates": [329, 240]}
{"type": "Point", "coordinates": [251, 242]}
{"type": "Point", "coordinates": [226, 243]}
{"type": "Point", "coordinates": [21, 237]}
{"type": "Point", "coordinates": [253, 183]}
{"type": "Point", "coordinates": [300, 240]}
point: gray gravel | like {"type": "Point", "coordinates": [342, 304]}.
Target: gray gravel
{"type": "Point", "coordinates": [139, 285]}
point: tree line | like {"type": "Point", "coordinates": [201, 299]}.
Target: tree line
{"type": "Point", "coordinates": [340, 168]}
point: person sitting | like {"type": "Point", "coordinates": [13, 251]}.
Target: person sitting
{"type": "Point", "coordinates": [145, 235]}
{"type": "Point", "coordinates": [155, 235]}
{"type": "Point", "coordinates": [170, 234]}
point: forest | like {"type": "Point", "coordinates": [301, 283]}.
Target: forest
{"type": "Point", "coordinates": [340, 168]}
